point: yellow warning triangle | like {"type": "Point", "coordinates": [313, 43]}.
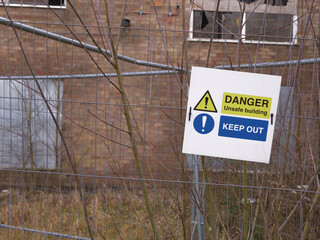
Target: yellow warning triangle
{"type": "Point", "coordinates": [206, 104]}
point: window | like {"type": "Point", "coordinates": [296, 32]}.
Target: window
{"type": "Point", "coordinates": [270, 21]}
{"type": "Point", "coordinates": [28, 134]}
{"type": "Point", "coordinates": [37, 3]}
{"type": "Point", "coordinates": [229, 20]}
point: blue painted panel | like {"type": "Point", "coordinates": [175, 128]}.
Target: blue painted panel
{"type": "Point", "coordinates": [244, 128]}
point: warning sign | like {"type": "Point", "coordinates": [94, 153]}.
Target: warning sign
{"type": "Point", "coordinates": [246, 105]}
{"type": "Point", "coordinates": [206, 104]}
{"type": "Point", "coordinates": [231, 114]}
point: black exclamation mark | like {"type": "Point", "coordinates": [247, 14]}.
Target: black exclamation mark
{"type": "Point", "coordinates": [206, 102]}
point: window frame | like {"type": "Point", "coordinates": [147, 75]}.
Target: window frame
{"type": "Point", "coordinates": [30, 5]}
{"type": "Point", "coordinates": [293, 42]}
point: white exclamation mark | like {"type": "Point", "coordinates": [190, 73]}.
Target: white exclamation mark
{"type": "Point", "coordinates": [204, 120]}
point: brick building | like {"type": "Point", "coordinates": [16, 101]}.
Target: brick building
{"type": "Point", "coordinates": [89, 105]}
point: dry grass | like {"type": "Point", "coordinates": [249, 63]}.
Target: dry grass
{"type": "Point", "coordinates": [114, 214]}
{"type": "Point", "coordinates": [117, 210]}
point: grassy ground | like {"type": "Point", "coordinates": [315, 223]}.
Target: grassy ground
{"type": "Point", "coordinates": [114, 214]}
{"type": "Point", "coordinates": [117, 210]}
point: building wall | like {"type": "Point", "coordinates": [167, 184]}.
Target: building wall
{"type": "Point", "coordinates": [91, 106]}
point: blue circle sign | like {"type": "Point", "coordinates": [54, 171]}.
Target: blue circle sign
{"type": "Point", "coordinates": [203, 123]}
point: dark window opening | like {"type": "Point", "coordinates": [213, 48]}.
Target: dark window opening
{"type": "Point", "coordinates": [276, 2]}
{"type": "Point", "coordinates": [56, 2]}
{"type": "Point", "coordinates": [269, 2]}
{"type": "Point", "coordinates": [33, 2]}
{"type": "Point", "coordinates": [269, 27]}
{"type": "Point", "coordinates": [227, 26]}
{"type": "Point", "coordinates": [39, 2]}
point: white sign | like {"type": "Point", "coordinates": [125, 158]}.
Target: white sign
{"type": "Point", "coordinates": [231, 114]}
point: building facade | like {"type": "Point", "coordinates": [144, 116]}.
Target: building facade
{"type": "Point", "coordinates": [81, 83]}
